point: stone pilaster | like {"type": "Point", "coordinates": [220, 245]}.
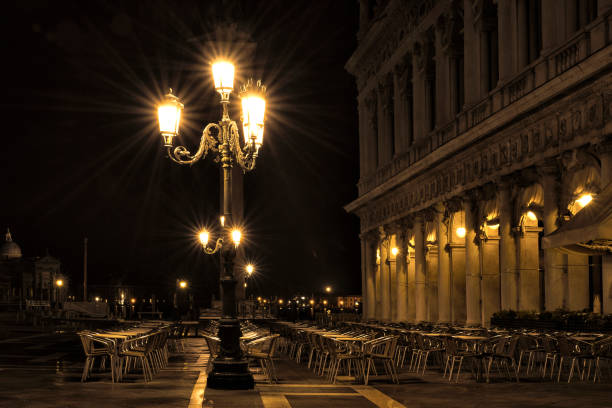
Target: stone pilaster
{"type": "Point", "coordinates": [420, 277]}
{"type": "Point", "coordinates": [371, 138]}
{"type": "Point", "coordinates": [444, 33]}
{"type": "Point", "coordinates": [554, 261]}
{"type": "Point", "coordinates": [472, 272]}
{"type": "Point", "coordinates": [605, 157]}
{"type": "Point", "coordinates": [444, 274]}
{"type": "Point", "coordinates": [386, 144]}
{"type": "Point", "coordinates": [411, 279]}
{"type": "Point", "coordinates": [371, 244]}
{"type": "Point", "coordinates": [529, 268]}
{"type": "Point", "coordinates": [507, 249]}
{"type": "Point", "coordinates": [402, 275]}
{"type": "Point", "coordinates": [506, 19]}
{"type": "Point", "coordinates": [385, 280]}
{"type": "Point", "coordinates": [420, 55]}
{"type": "Point", "coordinates": [490, 276]}
{"type": "Point", "coordinates": [403, 106]}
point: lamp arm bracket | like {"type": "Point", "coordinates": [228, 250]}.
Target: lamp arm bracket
{"type": "Point", "coordinates": [244, 157]}
{"type": "Point", "coordinates": [208, 143]}
{"type": "Point", "coordinates": [214, 250]}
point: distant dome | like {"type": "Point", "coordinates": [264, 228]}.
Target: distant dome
{"type": "Point", "coordinates": [10, 249]}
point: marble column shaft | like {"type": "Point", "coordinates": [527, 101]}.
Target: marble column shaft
{"type": "Point", "coordinates": [385, 274]}
{"type": "Point", "coordinates": [370, 306]}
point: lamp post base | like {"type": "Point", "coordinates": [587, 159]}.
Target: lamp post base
{"type": "Point", "coordinates": [230, 374]}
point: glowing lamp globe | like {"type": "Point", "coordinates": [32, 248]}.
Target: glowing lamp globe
{"type": "Point", "coordinates": [204, 237]}
{"type": "Point", "coordinates": [236, 236]}
{"type": "Point", "coordinates": [461, 232]}
{"type": "Point", "coordinates": [250, 269]}
{"type": "Point", "coordinates": [253, 113]}
{"type": "Point", "coordinates": [223, 76]}
{"type": "Point", "coordinates": [169, 117]}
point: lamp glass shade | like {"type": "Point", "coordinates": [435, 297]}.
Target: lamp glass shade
{"type": "Point", "coordinates": [253, 110]}
{"type": "Point", "coordinates": [204, 237]}
{"type": "Point", "coordinates": [236, 235]}
{"type": "Point", "coordinates": [169, 115]}
{"type": "Point", "coordinates": [223, 75]}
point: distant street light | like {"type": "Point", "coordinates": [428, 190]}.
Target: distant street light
{"type": "Point", "coordinates": [328, 289]}
{"type": "Point", "coordinates": [59, 283]}
{"type": "Point", "coordinates": [183, 284]}
{"type": "Point", "coordinates": [230, 368]}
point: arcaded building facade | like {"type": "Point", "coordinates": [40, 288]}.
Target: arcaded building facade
{"type": "Point", "coordinates": [485, 139]}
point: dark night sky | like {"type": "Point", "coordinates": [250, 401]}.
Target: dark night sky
{"type": "Point", "coordinates": [81, 155]}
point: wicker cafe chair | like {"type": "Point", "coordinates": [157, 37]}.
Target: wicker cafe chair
{"type": "Point", "coordinates": [97, 347]}
{"type": "Point", "coordinates": [503, 354]}
{"type": "Point", "coordinates": [340, 353]}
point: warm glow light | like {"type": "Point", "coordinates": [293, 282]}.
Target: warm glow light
{"type": "Point", "coordinates": [265, 300]}
{"type": "Point", "coordinates": [531, 215]}
{"type": "Point", "coordinates": [378, 255]}
{"type": "Point", "coordinates": [328, 289]}
{"type": "Point", "coordinates": [342, 303]}
{"type": "Point", "coordinates": [356, 304]}
{"type": "Point", "coordinates": [204, 237]}
{"type": "Point", "coordinates": [245, 284]}
{"type": "Point", "coordinates": [249, 269]}
{"type": "Point", "coordinates": [259, 298]}
{"type": "Point", "coordinates": [394, 251]}
{"type": "Point", "coordinates": [461, 232]}
{"type": "Point", "coordinates": [253, 112]}
{"type": "Point", "coordinates": [222, 220]}
{"type": "Point", "coordinates": [325, 302]}
{"type": "Point", "coordinates": [584, 199]}
{"type": "Point", "coordinates": [223, 75]}
{"type": "Point", "coordinates": [183, 284]}
{"type": "Point", "coordinates": [133, 300]}
{"type": "Point", "coordinates": [280, 301]}
{"type": "Point", "coordinates": [169, 117]}
{"type": "Point", "coordinates": [493, 226]}
{"type": "Point", "coordinates": [311, 302]}
{"type": "Point", "coordinates": [59, 282]}
{"type": "Point", "coordinates": [97, 298]}
{"type": "Point", "coordinates": [236, 235]}
{"type": "Point", "coordinates": [303, 297]}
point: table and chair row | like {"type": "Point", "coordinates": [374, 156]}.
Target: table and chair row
{"type": "Point", "coordinates": [359, 348]}
{"type": "Point", "coordinates": [143, 345]}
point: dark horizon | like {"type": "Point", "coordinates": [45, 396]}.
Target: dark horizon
{"type": "Point", "coordinates": [82, 157]}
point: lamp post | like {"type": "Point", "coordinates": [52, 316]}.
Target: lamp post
{"type": "Point", "coordinates": [230, 368]}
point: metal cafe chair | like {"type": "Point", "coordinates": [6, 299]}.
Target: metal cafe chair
{"type": "Point", "coordinates": [139, 349]}
{"type": "Point", "coordinates": [262, 350]}
{"type": "Point", "coordinates": [97, 347]}
{"type": "Point", "coordinates": [383, 350]}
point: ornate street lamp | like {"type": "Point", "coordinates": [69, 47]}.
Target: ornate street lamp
{"type": "Point", "coordinates": [230, 368]}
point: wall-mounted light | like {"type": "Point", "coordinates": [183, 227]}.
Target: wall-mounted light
{"type": "Point", "coordinates": [460, 232]}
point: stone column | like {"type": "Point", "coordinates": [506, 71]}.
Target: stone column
{"type": "Point", "coordinates": [419, 265]}
{"type": "Point", "coordinates": [490, 283]}
{"type": "Point", "coordinates": [363, 135]}
{"type": "Point", "coordinates": [603, 6]}
{"type": "Point", "coordinates": [386, 144]}
{"type": "Point", "coordinates": [431, 267]}
{"type": "Point", "coordinates": [378, 282]}
{"type": "Point", "coordinates": [402, 278]}
{"type": "Point", "coordinates": [578, 282]}
{"type": "Point", "coordinates": [410, 277]}
{"type": "Point", "coordinates": [472, 54]}
{"type": "Point", "coordinates": [522, 32]}
{"type": "Point", "coordinates": [369, 307]}
{"type": "Point", "coordinates": [419, 91]}
{"type": "Point", "coordinates": [364, 274]}
{"type": "Point", "coordinates": [506, 18]}
{"type": "Point", "coordinates": [371, 139]}
{"type": "Point", "coordinates": [444, 102]}
{"type": "Point", "coordinates": [529, 268]}
{"type": "Point", "coordinates": [392, 263]}
{"type": "Point", "coordinates": [507, 249]}
{"type": "Point", "coordinates": [444, 277]}
{"type": "Point", "coordinates": [457, 267]}
{"type": "Point", "coordinates": [554, 261]}
{"type": "Point", "coordinates": [605, 156]}
{"type": "Point", "coordinates": [385, 276]}
{"type": "Point", "coordinates": [403, 107]}
{"type": "Point", "coordinates": [472, 272]}
{"type": "Point", "coordinates": [553, 17]}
